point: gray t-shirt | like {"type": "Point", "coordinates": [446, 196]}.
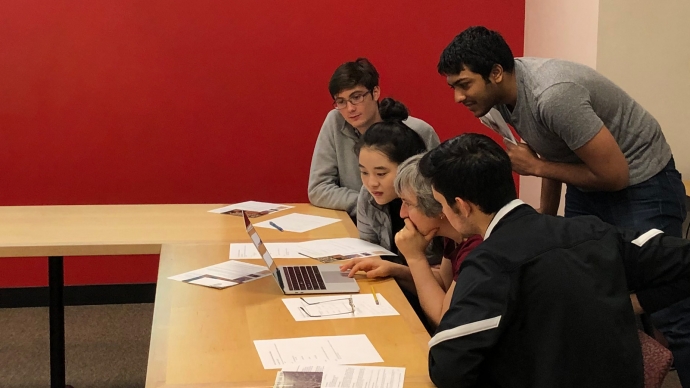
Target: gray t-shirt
{"type": "Point", "coordinates": [562, 105]}
{"type": "Point", "coordinates": [334, 180]}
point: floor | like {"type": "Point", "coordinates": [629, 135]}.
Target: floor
{"type": "Point", "coordinates": [107, 347]}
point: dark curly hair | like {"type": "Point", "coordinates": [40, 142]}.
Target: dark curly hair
{"type": "Point", "coordinates": [471, 167]}
{"type": "Point", "coordinates": [478, 49]}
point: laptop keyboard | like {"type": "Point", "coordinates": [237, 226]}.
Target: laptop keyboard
{"type": "Point", "coordinates": [303, 278]}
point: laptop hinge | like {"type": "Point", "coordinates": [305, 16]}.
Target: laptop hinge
{"type": "Point", "coordinates": [280, 279]}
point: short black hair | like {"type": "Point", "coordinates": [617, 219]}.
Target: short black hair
{"type": "Point", "coordinates": [350, 74]}
{"type": "Point", "coordinates": [391, 136]}
{"type": "Point", "coordinates": [471, 167]}
{"type": "Point", "coordinates": [478, 49]}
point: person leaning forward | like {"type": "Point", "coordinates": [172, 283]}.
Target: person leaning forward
{"type": "Point", "coordinates": [581, 129]}
{"type": "Point", "coordinates": [543, 301]}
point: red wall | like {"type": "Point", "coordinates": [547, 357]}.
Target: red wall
{"type": "Point", "coordinates": [165, 101]}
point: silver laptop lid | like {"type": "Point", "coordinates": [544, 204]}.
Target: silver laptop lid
{"type": "Point", "coordinates": [254, 236]}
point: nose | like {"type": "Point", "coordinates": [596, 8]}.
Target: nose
{"type": "Point", "coordinates": [350, 106]}
{"type": "Point", "coordinates": [368, 181]}
{"type": "Point", "coordinates": [404, 213]}
{"type": "Point", "coordinates": [459, 96]}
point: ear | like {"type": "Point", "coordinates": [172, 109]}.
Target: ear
{"type": "Point", "coordinates": [496, 73]}
{"type": "Point", "coordinates": [464, 207]}
{"type": "Point", "coordinates": [376, 93]}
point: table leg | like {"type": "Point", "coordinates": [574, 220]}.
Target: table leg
{"type": "Point", "coordinates": [57, 322]}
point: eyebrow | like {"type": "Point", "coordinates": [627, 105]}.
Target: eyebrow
{"type": "Point", "coordinates": [377, 168]}
{"type": "Point", "coordinates": [351, 94]}
{"type": "Point", "coordinates": [464, 79]}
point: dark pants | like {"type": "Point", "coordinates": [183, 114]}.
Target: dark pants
{"type": "Point", "coordinates": [658, 202]}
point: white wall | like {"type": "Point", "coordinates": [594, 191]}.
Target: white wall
{"type": "Point", "coordinates": [644, 47]}
{"type": "Point", "coordinates": [565, 29]}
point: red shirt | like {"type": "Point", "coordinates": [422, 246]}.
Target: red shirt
{"type": "Point", "coordinates": [457, 252]}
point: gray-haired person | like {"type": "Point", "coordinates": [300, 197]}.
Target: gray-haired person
{"type": "Point", "coordinates": [424, 220]}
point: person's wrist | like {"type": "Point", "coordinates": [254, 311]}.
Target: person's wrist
{"type": "Point", "coordinates": [538, 168]}
{"type": "Point", "coordinates": [411, 252]}
{"type": "Point", "coordinates": [416, 258]}
{"type": "Point", "coordinates": [395, 270]}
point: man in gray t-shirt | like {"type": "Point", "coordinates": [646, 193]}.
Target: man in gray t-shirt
{"type": "Point", "coordinates": [580, 129]}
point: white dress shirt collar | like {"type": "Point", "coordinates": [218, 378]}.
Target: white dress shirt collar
{"type": "Point", "coordinates": [500, 214]}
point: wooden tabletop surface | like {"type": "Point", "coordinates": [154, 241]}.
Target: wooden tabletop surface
{"type": "Point", "coordinates": [203, 337]}
{"type": "Point", "coordinates": [34, 231]}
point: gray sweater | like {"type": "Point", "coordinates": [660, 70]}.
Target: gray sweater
{"type": "Point", "coordinates": [334, 180]}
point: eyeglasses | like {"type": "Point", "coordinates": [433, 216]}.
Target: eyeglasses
{"type": "Point", "coordinates": [325, 311]}
{"type": "Point", "coordinates": [355, 98]}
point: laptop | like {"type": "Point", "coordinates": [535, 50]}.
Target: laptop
{"type": "Point", "coordinates": [303, 279]}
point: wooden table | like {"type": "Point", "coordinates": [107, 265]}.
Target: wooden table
{"type": "Point", "coordinates": [35, 231]}
{"type": "Point", "coordinates": [58, 231]}
{"type": "Point", "coordinates": [203, 337]}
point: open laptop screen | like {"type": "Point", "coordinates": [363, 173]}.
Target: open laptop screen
{"type": "Point", "coordinates": [254, 236]}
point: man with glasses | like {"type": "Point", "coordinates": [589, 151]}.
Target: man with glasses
{"type": "Point", "coordinates": [334, 178]}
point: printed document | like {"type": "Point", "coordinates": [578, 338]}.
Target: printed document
{"type": "Point", "coordinates": [317, 308]}
{"type": "Point", "coordinates": [340, 248]}
{"type": "Point", "coordinates": [345, 349]}
{"type": "Point", "coordinates": [223, 275]}
{"type": "Point", "coordinates": [495, 121]}
{"type": "Point", "coordinates": [297, 222]}
{"type": "Point", "coordinates": [252, 208]}
{"type": "Point", "coordinates": [277, 250]}
{"type": "Point", "coordinates": [344, 376]}
{"type": "Point", "coordinates": [347, 247]}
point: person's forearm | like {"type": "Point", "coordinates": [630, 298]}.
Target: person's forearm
{"type": "Point", "coordinates": [331, 196]}
{"type": "Point", "coordinates": [550, 196]}
{"type": "Point", "coordinates": [579, 175]}
{"type": "Point", "coordinates": [402, 274]}
{"type": "Point", "coordinates": [430, 293]}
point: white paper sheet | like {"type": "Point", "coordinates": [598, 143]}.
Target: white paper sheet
{"type": "Point", "coordinates": [495, 121]}
{"type": "Point", "coordinates": [338, 307]}
{"type": "Point", "coordinates": [345, 349]}
{"type": "Point", "coordinates": [223, 275]}
{"type": "Point", "coordinates": [252, 206]}
{"type": "Point", "coordinates": [343, 248]}
{"type": "Point", "coordinates": [297, 222]}
{"type": "Point", "coordinates": [346, 376]}
{"type": "Point", "coordinates": [347, 247]}
{"type": "Point", "coordinates": [277, 250]}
